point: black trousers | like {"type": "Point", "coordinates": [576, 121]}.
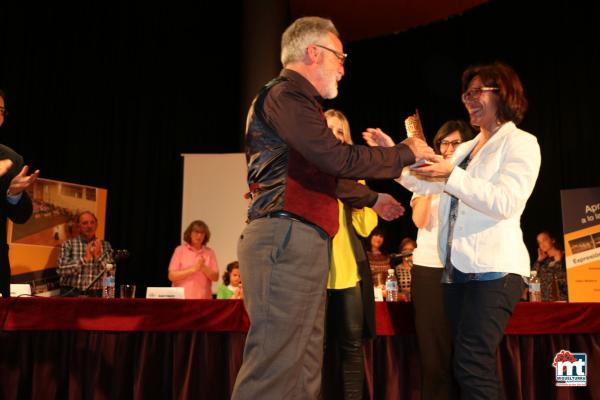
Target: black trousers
{"type": "Point", "coordinates": [433, 334]}
{"type": "Point", "coordinates": [345, 324]}
{"type": "Point", "coordinates": [478, 313]}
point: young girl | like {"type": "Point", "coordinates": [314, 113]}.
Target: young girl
{"type": "Point", "coordinates": [232, 283]}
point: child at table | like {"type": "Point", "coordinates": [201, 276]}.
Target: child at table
{"type": "Point", "coordinates": [232, 283]}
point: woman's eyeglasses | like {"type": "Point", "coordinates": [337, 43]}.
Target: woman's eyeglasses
{"type": "Point", "coordinates": [475, 93]}
{"type": "Point", "coordinates": [444, 144]}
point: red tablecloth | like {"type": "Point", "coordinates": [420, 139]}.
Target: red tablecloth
{"type": "Point", "coordinates": [527, 319]}
{"type": "Point", "coordinates": [93, 314]}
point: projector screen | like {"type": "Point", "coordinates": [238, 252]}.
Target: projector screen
{"type": "Point", "coordinates": [213, 191]}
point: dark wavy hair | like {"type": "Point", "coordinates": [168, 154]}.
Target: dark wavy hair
{"type": "Point", "coordinates": [406, 241]}
{"type": "Point", "coordinates": [187, 235]}
{"type": "Point", "coordinates": [463, 128]}
{"type": "Point", "coordinates": [512, 103]}
{"type": "Point", "coordinates": [230, 267]}
{"type": "Point", "coordinates": [552, 237]}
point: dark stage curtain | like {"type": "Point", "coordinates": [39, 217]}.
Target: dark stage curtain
{"type": "Point", "coordinates": [119, 365]}
{"type": "Point", "coordinates": [112, 95]}
{"type": "Point", "coordinates": [554, 47]}
{"type": "Point", "coordinates": [186, 365]}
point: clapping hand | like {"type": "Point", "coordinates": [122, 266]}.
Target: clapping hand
{"type": "Point", "coordinates": [93, 250]}
{"type": "Point", "coordinates": [21, 181]}
{"type": "Point", "coordinates": [376, 137]}
{"type": "Point", "coordinates": [387, 207]}
{"type": "Point", "coordinates": [199, 266]}
{"type": "Point", "coordinates": [239, 292]}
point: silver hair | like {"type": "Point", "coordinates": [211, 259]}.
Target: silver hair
{"type": "Point", "coordinates": [302, 33]}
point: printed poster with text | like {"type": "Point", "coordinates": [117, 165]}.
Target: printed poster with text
{"type": "Point", "coordinates": [581, 225]}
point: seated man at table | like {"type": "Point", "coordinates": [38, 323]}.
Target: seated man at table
{"type": "Point", "coordinates": [82, 258]}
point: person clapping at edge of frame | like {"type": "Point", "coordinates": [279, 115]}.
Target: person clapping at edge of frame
{"type": "Point", "coordinates": [15, 203]}
{"type": "Point", "coordinates": [231, 288]}
{"type": "Point", "coordinates": [483, 191]}
{"type": "Point", "coordinates": [82, 258]}
{"type": "Point", "coordinates": [193, 264]}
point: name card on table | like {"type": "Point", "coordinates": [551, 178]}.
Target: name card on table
{"type": "Point", "coordinates": [18, 289]}
{"type": "Point", "coordinates": [165, 293]}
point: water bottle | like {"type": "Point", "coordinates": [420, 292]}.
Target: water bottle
{"type": "Point", "coordinates": [108, 288]}
{"type": "Point", "coordinates": [535, 288]}
{"type": "Point", "coordinates": [391, 284]}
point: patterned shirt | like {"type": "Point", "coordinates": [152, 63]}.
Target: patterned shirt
{"type": "Point", "coordinates": [451, 274]}
{"type": "Point", "coordinates": [553, 279]}
{"type": "Point", "coordinates": [404, 279]}
{"type": "Point", "coordinates": [380, 263]}
{"type": "Point", "coordinates": [74, 271]}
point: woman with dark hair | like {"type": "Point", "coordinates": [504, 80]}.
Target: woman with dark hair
{"type": "Point", "coordinates": [378, 261]}
{"type": "Point", "coordinates": [193, 264]}
{"type": "Point", "coordinates": [483, 190]}
{"type": "Point", "coordinates": [431, 322]}
{"type": "Point", "coordinates": [550, 267]}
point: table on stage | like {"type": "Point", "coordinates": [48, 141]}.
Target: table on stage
{"type": "Point", "coordinates": [137, 348]}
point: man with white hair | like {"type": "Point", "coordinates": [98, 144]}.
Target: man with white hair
{"type": "Point", "coordinates": [294, 162]}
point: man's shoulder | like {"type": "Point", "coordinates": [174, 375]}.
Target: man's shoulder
{"type": "Point", "coordinates": [291, 84]}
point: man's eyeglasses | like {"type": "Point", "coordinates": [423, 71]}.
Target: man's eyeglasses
{"type": "Point", "coordinates": [340, 56]}
{"type": "Point", "coordinates": [474, 93]}
{"type": "Point", "coordinates": [444, 144]}
{"type": "Point", "coordinates": [3, 111]}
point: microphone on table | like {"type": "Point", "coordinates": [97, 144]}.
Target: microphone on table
{"type": "Point", "coordinates": [397, 258]}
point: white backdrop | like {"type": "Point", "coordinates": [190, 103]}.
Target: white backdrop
{"type": "Point", "coordinates": [213, 191]}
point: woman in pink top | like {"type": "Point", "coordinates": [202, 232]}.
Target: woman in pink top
{"type": "Point", "coordinates": [194, 265]}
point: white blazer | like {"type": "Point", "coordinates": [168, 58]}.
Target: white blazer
{"type": "Point", "coordinates": [493, 191]}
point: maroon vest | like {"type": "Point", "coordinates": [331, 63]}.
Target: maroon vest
{"type": "Point", "coordinates": [281, 179]}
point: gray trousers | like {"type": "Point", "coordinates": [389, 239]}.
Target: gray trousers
{"type": "Point", "coordinates": [284, 267]}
